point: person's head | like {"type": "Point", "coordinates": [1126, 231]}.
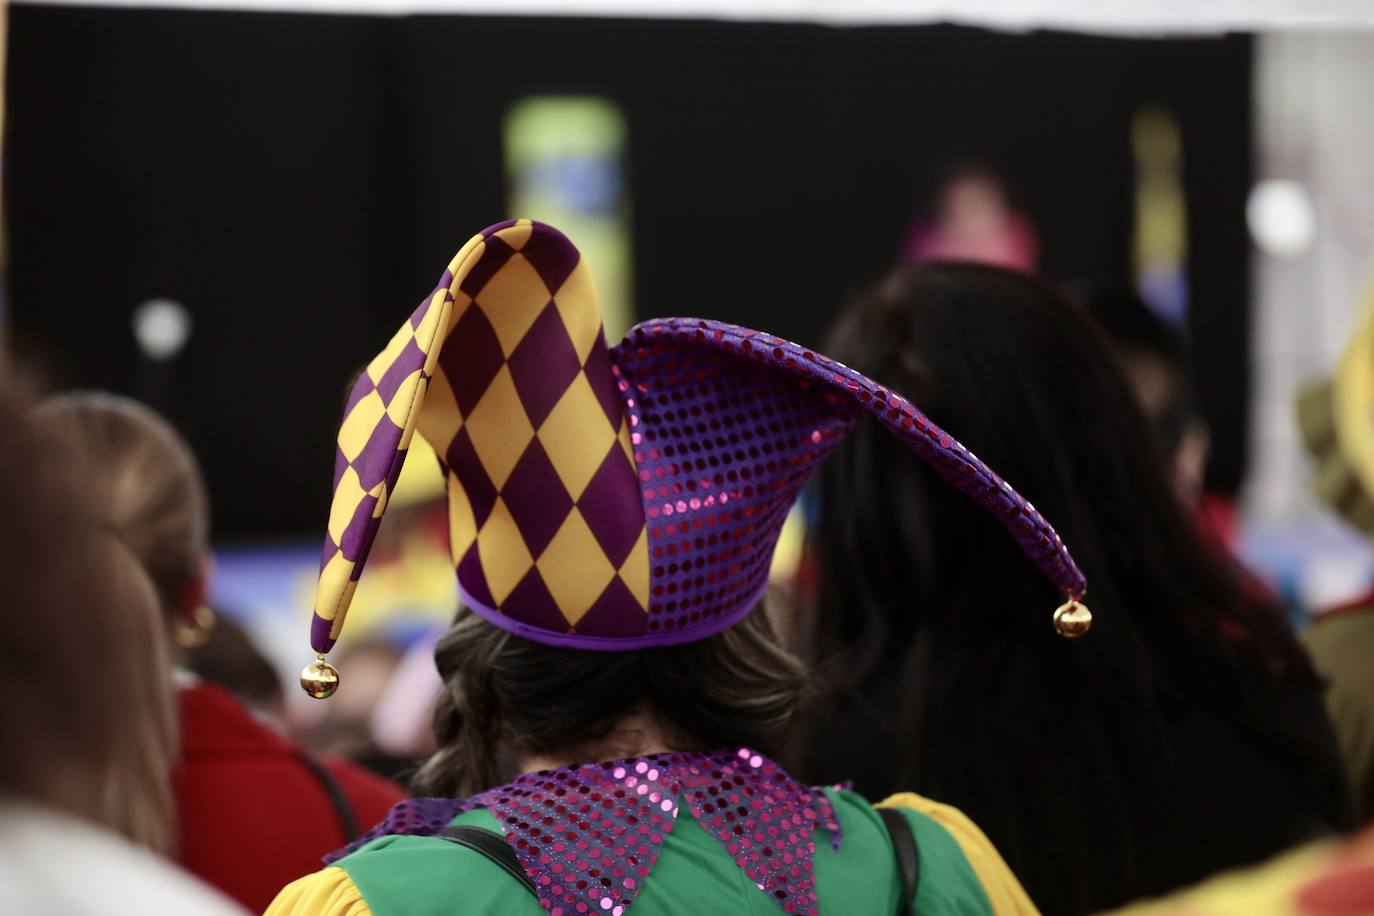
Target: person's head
{"type": "Point", "coordinates": [87, 721]}
{"type": "Point", "coordinates": [1154, 358]}
{"type": "Point", "coordinates": [508, 701]}
{"type": "Point", "coordinates": [229, 657]}
{"type": "Point", "coordinates": [144, 481]}
{"type": "Point", "coordinates": [912, 580]}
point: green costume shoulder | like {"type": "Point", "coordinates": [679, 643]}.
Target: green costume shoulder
{"type": "Point", "coordinates": [427, 876]}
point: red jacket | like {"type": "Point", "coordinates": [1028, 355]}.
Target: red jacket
{"type": "Point", "coordinates": [252, 815]}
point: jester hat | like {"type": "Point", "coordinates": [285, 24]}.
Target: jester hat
{"type": "Point", "coordinates": [609, 498]}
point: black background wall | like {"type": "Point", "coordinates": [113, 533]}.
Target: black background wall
{"type": "Point", "coordinates": [300, 181]}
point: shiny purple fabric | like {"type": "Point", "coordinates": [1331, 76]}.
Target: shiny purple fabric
{"type": "Point", "coordinates": [588, 836]}
{"type": "Point", "coordinates": [727, 425]}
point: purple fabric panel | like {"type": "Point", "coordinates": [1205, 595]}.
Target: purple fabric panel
{"type": "Point", "coordinates": [470, 358]}
{"type": "Point", "coordinates": [603, 381]}
{"type": "Point", "coordinates": [531, 604]}
{"type": "Point", "coordinates": [577, 640]}
{"type": "Point", "coordinates": [543, 365]}
{"type": "Point", "coordinates": [497, 227]}
{"type": "Point", "coordinates": [330, 548]}
{"type": "Point", "coordinates": [648, 354]}
{"type": "Point", "coordinates": [615, 614]}
{"type": "Point", "coordinates": [355, 536]}
{"type": "Point", "coordinates": [722, 446]}
{"type": "Point", "coordinates": [472, 581]}
{"type": "Point", "coordinates": [551, 255]}
{"type": "Point", "coordinates": [379, 457]}
{"type": "Point", "coordinates": [494, 257]}
{"type": "Point", "coordinates": [536, 497]}
{"type": "Point", "coordinates": [407, 361]}
{"type": "Point", "coordinates": [597, 856]}
{"type": "Point", "coordinates": [319, 633]}
{"type": "Point", "coordinates": [611, 505]}
{"type": "Point", "coordinates": [462, 459]}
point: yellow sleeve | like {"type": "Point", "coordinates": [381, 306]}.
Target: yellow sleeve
{"type": "Point", "coordinates": [328, 892]}
{"type": "Point", "coordinates": [1004, 891]}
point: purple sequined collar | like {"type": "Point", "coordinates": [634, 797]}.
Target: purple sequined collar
{"type": "Point", "coordinates": [588, 835]}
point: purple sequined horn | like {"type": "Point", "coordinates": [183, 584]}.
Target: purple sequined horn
{"type": "Point", "coordinates": [729, 412]}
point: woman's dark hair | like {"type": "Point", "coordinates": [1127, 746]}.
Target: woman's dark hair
{"type": "Point", "coordinates": [505, 697]}
{"type": "Point", "coordinates": [1059, 749]}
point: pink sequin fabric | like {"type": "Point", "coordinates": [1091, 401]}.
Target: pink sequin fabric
{"type": "Point", "coordinates": [588, 836]}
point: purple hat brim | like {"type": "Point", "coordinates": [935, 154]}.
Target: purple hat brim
{"type": "Point", "coordinates": [575, 640]}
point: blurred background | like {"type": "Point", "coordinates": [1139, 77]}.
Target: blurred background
{"type": "Point", "coordinates": [224, 209]}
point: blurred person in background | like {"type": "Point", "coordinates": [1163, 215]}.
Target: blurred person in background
{"type": "Point", "coordinates": [227, 656]}
{"type": "Point", "coordinates": [1336, 419]}
{"type": "Point", "coordinates": [86, 715]}
{"type": "Point", "coordinates": [972, 218]}
{"type": "Point", "coordinates": [1154, 359]}
{"type": "Point", "coordinates": [254, 810]}
{"type": "Point", "coordinates": [611, 689]}
{"type": "Point", "coordinates": [1184, 735]}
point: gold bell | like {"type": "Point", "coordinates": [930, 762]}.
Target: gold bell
{"type": "Point", "coordinates": [1072, 619]}
{"type": "Point", "coordinates": [320, 679]}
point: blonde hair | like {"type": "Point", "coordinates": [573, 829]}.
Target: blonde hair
{"type": "Point", "coordinates": [144, 481]}
{"type": "Point", "coordinates": [84, 646]}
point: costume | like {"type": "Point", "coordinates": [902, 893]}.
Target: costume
{"type": "Point", "coordinates": [252, 814]}
{"type": "Point", "coordinates": [1335, 417]}
{"type": "Point", "coordinates": [610, 499]}
{"type": "Point", "coordinates": [598, 860]}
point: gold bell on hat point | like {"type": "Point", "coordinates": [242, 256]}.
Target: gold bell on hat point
{"type": "Point", "coordinates": [320, 679]}
{"type": "Point", "coordinates": [1072, 619]}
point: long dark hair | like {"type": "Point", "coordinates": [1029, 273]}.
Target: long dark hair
{"type": "Point", "coordinates": [1057, 748]}
{"type": "Point", "coordinates": [505, 697]}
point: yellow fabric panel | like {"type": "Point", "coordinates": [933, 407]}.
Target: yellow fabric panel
{"type": "Point", "coordinates": [501, 547]}
{"type": "Point", "coordinates": [578, 307]}
{"type": "Point", "coordinates": [634, 572]}
{"type": "Point", "coordinates": [336, 586]}
{"type": "Point", "coordinates": [1004, 891]}
{"type": "Point", "coordinates": [574, 567]}
{"type": "Point", "coordinates": [500, 428]}
{"type": "Point", "coordinates": [328, 892]}
{"type": "Point", "coordinates": [512, 299]}
{"type": "Point", "coordinates": [358, 426]}
{"type": "Point", "coordinates": [576, 435]}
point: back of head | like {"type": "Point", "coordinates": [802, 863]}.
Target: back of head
{"type": "Point", "coordinates": [87, 720]}
{"type": "Point", "coordinates": [1051, 745]}
{"type": "Point", "coordinates": [143, 480]}
{"type": "Point", "coordinates": [506, 698]}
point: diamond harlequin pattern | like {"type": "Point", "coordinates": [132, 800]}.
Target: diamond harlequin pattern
{"type": "Point", "coordinates": [588, 836]}
{"type": "Point", "coordinates": [522, 408]}
{"type": "Point", "coordinates": [609, 498]}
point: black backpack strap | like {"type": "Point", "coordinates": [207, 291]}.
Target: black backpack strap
{"type": "Point", "coordinates": [337, 799]}
{"type": "Point", "coordinates": [493, 846]}
{"type": "Point", "coordinates": [908, 856]}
